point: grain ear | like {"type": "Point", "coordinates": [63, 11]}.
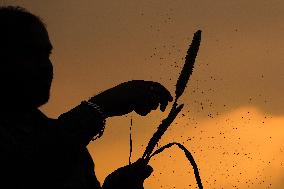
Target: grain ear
{"type": "Point", "coordinates": [188, 65]}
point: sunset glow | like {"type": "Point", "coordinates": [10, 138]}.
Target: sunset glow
{"type": "Point", "coordinates": [233, 120]}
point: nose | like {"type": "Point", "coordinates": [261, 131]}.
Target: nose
{"type": "Point", "coordinates": [45, 68]}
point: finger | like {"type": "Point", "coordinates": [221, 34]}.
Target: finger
{"type": "Point", "coordinates": [146, 104]}
{"type": "Point", "coordinates": [163, 106]}
{"type": "Point", "coordinates": [156, 91]}
{"type": "Point", "coordinates": [163, 94]}
{"type": "Point", "coordinates": [160, 89]}
{"type": "Point", "coordinates": [162, 100]}
{"type": "Point", "coordinates": [154, 87]}
{"type": "Point", "coordinates": [142, 109]}
{"type": "Point", "coordinates": [155, 106]}
{"type": "Point", "coordinates": [154, 100]}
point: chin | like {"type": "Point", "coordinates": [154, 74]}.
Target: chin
{"type": "Point", "coordinates": [41, 101]}
{"type": "Point", "coordinates": [40, 96]}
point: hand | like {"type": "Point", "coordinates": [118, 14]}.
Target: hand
{"type": "Point", "coordinates": [128, 177]}
{"type": "Point", "coordinates": [138, 95]}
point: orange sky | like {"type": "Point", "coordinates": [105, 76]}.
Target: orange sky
{"type": "Point", "coordinates": [98, 44]}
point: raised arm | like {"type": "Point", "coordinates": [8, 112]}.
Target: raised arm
{"type": "Point", "coordinates": [87, 120]}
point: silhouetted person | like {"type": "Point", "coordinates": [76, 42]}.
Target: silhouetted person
{"type": "Point", "coordinates": [39, 152]}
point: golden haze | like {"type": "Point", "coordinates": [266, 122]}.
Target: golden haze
{"type": "Point", "coordinates": [239, 69]}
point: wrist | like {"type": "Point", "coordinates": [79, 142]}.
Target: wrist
{"type": "Point", "coordinates": [101, 105]}
{"type": "Point", "coordinates": [97, 108]}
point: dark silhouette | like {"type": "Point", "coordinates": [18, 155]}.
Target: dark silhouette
{"type": "Point", "coordinates": [39, 152]}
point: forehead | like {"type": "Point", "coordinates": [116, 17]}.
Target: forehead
{"type": "Point", "coordinates": [38, 37]}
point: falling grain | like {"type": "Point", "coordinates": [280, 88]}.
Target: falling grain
{"type": "Point", "coordinates": [180, 86]}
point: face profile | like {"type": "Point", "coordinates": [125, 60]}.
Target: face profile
{"type": "Point", "coordinates": [38, 67]}
{"type": "Point", "coordinates": [26, 70]}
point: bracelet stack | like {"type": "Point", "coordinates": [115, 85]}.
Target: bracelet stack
{"type": "Point", "coordinates": [99, 110]}
{"type": "Point", "coordinates": [95, 107]}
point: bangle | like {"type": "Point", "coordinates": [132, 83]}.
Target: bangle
{"type": "Point", "coordinates": [98, 110]}
{"type": "Point", "coordinates": [96, 107]}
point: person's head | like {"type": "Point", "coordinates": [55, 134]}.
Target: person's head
{"type": "Point", "coordinates": [25, 69]}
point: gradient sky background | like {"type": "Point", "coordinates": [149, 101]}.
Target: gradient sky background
{"type": "Point", "coordinates": [233, 119]}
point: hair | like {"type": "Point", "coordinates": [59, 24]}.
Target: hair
{"type": "Point", "coordinates": [16, 27]}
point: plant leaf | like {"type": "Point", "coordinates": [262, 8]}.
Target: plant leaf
{"type": "Point", "coordinates": [189, 157]}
